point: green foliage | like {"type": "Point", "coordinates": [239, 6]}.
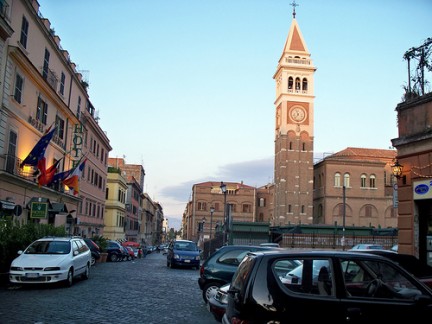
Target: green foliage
{"type": "Point", "coordinates": [101, 241]}
{"type": "Point", "coordinates": [15, 236]}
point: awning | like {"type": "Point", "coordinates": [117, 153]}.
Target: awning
{"type": "Point", "coordinates": [4, 204]}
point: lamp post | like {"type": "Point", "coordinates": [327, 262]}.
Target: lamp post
{"type": "Point", "coordinates": [224, 191]}
{"type": "Point", "coordinates": [211, 228]}
{"type": "Point", "coordinates": [397, 169]}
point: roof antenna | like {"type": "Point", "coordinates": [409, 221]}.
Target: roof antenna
{"type": "Point", "coordinates": [294, 4]}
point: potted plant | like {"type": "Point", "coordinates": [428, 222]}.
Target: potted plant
{"type": "Point", "coordinates": [102, 242]}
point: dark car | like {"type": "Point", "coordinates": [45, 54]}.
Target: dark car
{"type": "Point", "coordinates": [411, 263]}
{"type": "Point", "coordinates": [183, 253]}
{"type": "Point", "coordinates": [218, 269]}
{"type": "Point", "coordinates": [115, 251]}
{"type": "Point", "coordinates": [350, 287]}
{"type": "Point", "coordinates": [95, 250]}
{"type": "Point", "coordinates": [217, 303]}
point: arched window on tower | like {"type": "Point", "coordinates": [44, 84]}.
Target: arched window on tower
{"type": "Point", "coordinates": [290, 83]}
{"type": "Point", "coordinates": [290, 146]}
{"type": "Point", "coordinates": [305, 85]}
{"type": "Point", "coordinates": [297, 84]}
{"type": "Point", "coordinates": [303, 146]}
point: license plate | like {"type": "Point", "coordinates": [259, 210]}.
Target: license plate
{"type": "Point", "coordinates": [32, 275]}
{"type": "Point", "coordinates": [187, 261]}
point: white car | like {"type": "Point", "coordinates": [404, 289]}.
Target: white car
{"type": "Point", "coordinates": [51, 260]}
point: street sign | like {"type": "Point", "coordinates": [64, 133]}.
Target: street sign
{"type": "Point", "coordinates": [39, 210]}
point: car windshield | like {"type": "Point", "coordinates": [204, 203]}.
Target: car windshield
{"type": "Point", "coordinates": [185, 246]}
{"type": "Point", "coordinates": [49, 247]}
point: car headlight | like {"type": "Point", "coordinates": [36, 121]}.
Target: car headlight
{"type": "Point", "coordinates": [176, 256]}
{"type": "Point", "coordinates": [16, 268]}
{"type": "Point", "coordinates": [52, 268]}
{"type": "Point", "coordinates": [197, 257]}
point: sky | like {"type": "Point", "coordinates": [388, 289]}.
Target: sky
{"type": "Point", "coordinates": [185, 87]}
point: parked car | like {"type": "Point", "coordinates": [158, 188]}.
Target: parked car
{"type": "Point", "coordinates": [183, 253]}
{"type": "Point", "coordinates": [52, 260]}
{"type": "Point", "coordinates": [218, 269]}
{"type": "Point", "coordinates": [115, 251]}
{"type": "Point", "coordinates": [354, 288]}
{"type": "Point", "coordinates": [94, 249]}
{"type": "Point", "coordinates": [359, 247]}
{"type": "Point", "coordinates": [218, 302]}
{"type": "Point", "coordinates": [410, 263]}
{"type": "Point", "coordinates": [270, 244]}
{"type": "Point", "coordinates": [125, 254]}
{"type": "Point", "coordinates": [131, 253]}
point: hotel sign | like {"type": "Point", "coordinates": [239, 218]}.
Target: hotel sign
{"type": "Point", "coordinates": [422, 189]}
{"type": "Point", "coordinates": [39, 210]}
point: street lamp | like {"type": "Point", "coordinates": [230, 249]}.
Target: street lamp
{"type": "Point", "coordinates": [224, 191]}
{"type": "Point", "coordinates": [211, 227]}
{"type": "Point", "coordinates": [397, 169]}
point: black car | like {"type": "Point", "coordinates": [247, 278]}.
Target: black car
{"type": "Point", "coordinates": [115, 251]}
{"type": "Point", "coordinates": [332, 286]}
{"type": "Point", "coordinates": [95, 250]}
{"type": "Point", "coordinates": [218, 269]}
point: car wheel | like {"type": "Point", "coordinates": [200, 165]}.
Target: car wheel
{"type": "Point", "coordinates": [113, 257]}
{"type": "Point", "coordinates": [69, 279]}
{"type": "Point", "coordinates": [210, 290]}
{"type": "Point", "coordinates": [93, 260]}
{"type": "Point", "coordinates": [86, 273]}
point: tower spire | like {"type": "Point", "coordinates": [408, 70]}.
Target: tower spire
{"type": "Point", "coordinates": [294, 4]}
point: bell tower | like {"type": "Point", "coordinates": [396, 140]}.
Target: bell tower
{"type": "Point", "coordinates": [294, 111]}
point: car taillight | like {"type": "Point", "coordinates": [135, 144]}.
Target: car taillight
{"type": "Point", "coordinates": [235, 320]}
{"type": "Point", "coordinates": [202, 270]}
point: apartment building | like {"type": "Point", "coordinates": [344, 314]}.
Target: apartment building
{"type": "Point", "coordinates": [42, 91]}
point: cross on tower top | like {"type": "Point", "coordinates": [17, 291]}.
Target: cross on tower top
{"type": "Point", "coordinates": [294, 4]}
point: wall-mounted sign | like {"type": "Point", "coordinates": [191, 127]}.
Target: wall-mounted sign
{"type": "Point", "coordinates": [422, 189]}
{"type": "Point", "coordinates": [39, 210]}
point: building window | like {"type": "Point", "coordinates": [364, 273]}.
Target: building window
{"type": "Point", "coordinates": [297, 84]}
{"type": "Point", "coordinates": [290, 146]}
{"type": "Point", "coordinates": [289, 209]}
{"type": "Point", "coordinates": [19, 84]}
{"type": "Point", "coordinates": [346, 180]}
{"type": "Point", "coordinates": [10, 160]}
{"type": "Point", "coordinates": [24, 32]}
{"type": "Point", "coordinates": [305, 84]}
{"type": "Point", "coordinates": [246, 208]}
{"type": "Point", "coordinates": [46, 64]}
{"type": "Point", "coordinates": [290, 83]}
{"type": "Point", "coordinates": [262, 202]}
{"type": "Point", "coordinates": [303, 146]}
{"type": "Point", "coordinates": [62, 83]}
{"type": "Point", "coordinates": [337, 179]}
{"type": "Point", "coordinates": [60, 127]}
{"type": "Point", "coordinates": [216, 206]}
{"type": "Point", "coordinates": [363, 181]}
{"type": "Point", "coordinates": [42, 111]}
{"type": "Point", "coordinates": [302, 209]}
{"type": "Point", "coordinates": [202, 206]}
{"type": "Point", "coordinates": [372, 181]}
{"type": "Point", "coordinates": [368, 211]}
{"type": "Point", "coordinates": [79, 107]}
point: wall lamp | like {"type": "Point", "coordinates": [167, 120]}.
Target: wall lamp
{"type": "Point", "coordinates": [397, 169]}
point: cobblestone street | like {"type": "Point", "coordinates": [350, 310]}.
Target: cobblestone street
{"type": "Point", "coordinates": [140, 291]}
